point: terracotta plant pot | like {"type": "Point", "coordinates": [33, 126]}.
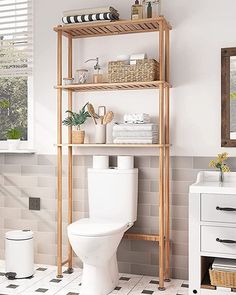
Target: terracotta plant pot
{"type": "Point", "coordinates": [78, 137]}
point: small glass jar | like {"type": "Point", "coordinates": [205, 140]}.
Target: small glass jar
{"type": "Point", "coordinates": [68, 81]}
{"type": "Point", "coordinates": [81, 76]}
{"type": "Point", "coordinates": [152, 8]}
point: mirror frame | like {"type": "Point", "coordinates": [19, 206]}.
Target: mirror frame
{"type": "Point", "coordinates": [226, 53]}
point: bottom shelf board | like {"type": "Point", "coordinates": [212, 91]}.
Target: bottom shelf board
{"type": "Point", "coordinates": [17, 151]}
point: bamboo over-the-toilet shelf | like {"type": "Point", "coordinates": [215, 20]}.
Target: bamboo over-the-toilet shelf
{"type": "Point", "coordinates": [71, 32]}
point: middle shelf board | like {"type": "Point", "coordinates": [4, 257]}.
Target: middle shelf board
{"type": "Point", "coordinates": [113, 86]}
{"type": "Point", "coordinates": [113, 145]}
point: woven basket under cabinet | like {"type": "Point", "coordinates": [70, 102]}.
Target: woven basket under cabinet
{"type": "Point", "coordinates": [143, 71]}
{"type": "Point", "coordinates": [222, 278]}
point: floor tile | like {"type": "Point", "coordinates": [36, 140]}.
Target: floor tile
{"type": "Point", "coordinates": [46, 282]}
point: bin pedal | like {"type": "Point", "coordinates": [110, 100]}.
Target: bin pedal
{"type": "Point", "coordinates": [11, 275]}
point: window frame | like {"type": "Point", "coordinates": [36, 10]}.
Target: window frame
{"type": "Point", "coordinates": [29, 143]}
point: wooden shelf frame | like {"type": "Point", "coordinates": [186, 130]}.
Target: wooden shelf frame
{"type": "Point", "coordinates": [141, 237]}
{"type": "Point", "coordinates": [121, 27]}
{"type": "Point", "coordinates": [113, 86]}
{"type": "Point", "coordinates": [113, 145]}
{"type": "Point", "coordinates": [162, 27]}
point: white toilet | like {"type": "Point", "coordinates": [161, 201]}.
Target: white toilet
{"type": "Point", "coordinates": [112, 211]}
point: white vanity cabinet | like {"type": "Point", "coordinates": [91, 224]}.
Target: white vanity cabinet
{"type": "Point", "coordinates": [212, 227]}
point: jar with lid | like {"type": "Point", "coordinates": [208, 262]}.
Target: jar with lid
{"type": "Point", "coordinates": [68, 81]}
{"type": "Point", "coordinates": [152, 8]}
{"type": "Point", "coordinates": [81, 76]}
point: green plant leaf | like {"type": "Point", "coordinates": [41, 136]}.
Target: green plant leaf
{"type": "Point", "coordinates": [76, 119]}
{"type": "Point", "coordinates": [14, 133]}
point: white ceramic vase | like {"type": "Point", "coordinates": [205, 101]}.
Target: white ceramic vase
{"type": "Point", "coordinates": [100, 134]}
{"type": "Point", "coordinates": [13, 144]}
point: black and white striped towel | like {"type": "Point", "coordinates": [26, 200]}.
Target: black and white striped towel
{"type": "Point", "coordinates": [89, 18]}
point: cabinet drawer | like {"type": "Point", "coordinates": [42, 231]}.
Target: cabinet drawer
{"type": "Point", "coordinates": [218, 239]}
{"type": "Point", "coordinates": [218, 208]}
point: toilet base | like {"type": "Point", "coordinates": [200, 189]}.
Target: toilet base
{"type": "Point", "coordinates": [100, 280]}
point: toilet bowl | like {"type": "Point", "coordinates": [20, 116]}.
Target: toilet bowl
{"type": "Point", "coordinates": [95, 242]}
{"type": "Point", "coordinates": [112, 196]}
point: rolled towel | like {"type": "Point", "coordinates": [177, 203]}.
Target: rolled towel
{"type": "Point", "coordinates": [89, 18]}
{"type": "Point", "coordinates": [137, 118]}
{"type": "Point", "coordinates": [136, 127]}
{"type": "Point", "coordinates": [90, 11]}
{"type": "Point", "coordinates": [139, 56]}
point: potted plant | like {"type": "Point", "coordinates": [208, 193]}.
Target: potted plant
{"type": "Point", "coordinates": [76, 120]}
{"type": "Point", "coordinates": [220, 164]}
{"type": "Point", "coordinates": [13, 138]}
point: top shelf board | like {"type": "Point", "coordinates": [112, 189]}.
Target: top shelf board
{"type": "Point", "coordinates": [112, 28]}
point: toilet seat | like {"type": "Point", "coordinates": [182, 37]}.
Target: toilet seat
{"type": "Point", "coordinates": [95, 227]}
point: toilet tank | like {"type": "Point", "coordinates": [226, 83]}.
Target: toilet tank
{"type": "Point", "coordinates": [113, 194]}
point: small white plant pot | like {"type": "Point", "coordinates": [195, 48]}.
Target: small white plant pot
{"type": "Point", "coordinates": [13, 144]}
{"type": "Point", "coordinates": [100, 134]}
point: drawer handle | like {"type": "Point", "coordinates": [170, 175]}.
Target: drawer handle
{"type": "Point", "coordinates": [225, 209]}
{"type": "Point", "coordinates": [226, 241]}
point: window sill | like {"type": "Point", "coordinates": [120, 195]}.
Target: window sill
{"type": "Point", "coordinates": [17, 151]}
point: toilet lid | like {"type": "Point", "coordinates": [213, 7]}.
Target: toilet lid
{"type": "Point", "coordinates": [95, 227]}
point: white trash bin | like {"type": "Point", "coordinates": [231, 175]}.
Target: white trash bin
{"type": "Point", "coordinates": [19, 254]}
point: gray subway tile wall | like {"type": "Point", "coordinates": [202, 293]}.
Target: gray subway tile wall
{"type": "Point", "coordinates": [24, 176]}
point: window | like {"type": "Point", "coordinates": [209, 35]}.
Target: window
{"type": "Point", "coordinates": [16, 66]}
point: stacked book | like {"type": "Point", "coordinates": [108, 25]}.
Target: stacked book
{"type": "Point", "coordinates": [90, 15]}
{"type": "Point", "coordinates": [146, 133]}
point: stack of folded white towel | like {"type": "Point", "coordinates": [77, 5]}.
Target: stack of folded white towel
{"type": "Point", "coordinates": [145, 133]}
{"type": "Point", "coordinates": [137, 118]}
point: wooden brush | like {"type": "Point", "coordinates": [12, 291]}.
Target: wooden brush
{"type": "Point", "coordinates": [92, 113]}
{"type": "Point", "coordinates": [108, 117]}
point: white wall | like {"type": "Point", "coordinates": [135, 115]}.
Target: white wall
{"type": "Point", "coordinates": [200, 29]}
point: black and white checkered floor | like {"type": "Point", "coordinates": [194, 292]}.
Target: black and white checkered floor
{"type": "Point", "coordinates": [44, 281]}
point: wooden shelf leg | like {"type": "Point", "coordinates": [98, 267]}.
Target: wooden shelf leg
{"type": "Point", "coordinates": [161, 199]}
{"type": "Point", "coordinates": [167, 156]}
{"type": "Point", "coordinates": [161, 161]}
{"type": "Point", "coordinates": [70, 159]}
{"type": "Point", "coordinates": [167, 190]}
{"type": "Point", "coordinates": [59, 156]}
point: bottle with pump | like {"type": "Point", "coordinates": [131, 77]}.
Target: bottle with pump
{"type": "Point", "coordinates": [136, 11]}
{"type": "Point", "coordinates": [97, 75]}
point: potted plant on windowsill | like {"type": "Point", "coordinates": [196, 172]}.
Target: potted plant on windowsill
{"type": "Point", "coordinates": [13, 138]}
{"type": "Point", "coordinates": [76, 120]}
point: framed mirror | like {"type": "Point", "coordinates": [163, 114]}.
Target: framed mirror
{"type": "Point", "coordinates": [228, 97]}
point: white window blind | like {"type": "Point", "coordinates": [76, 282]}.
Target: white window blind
{"type": "Point", "coordinates": [16, 38]}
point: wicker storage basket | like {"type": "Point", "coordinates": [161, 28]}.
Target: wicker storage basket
{"type": "Point", "coordinates": [78, 137]}
{"type": "Point", "coordinates": [143, 71]}
{"type": "Point", "coordinates": [223, 278]}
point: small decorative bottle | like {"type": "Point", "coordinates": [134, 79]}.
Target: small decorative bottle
{"type": "Point", "coordinates": [136, 11]}
{"type": "Point", "coordinates": [151, 9]}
